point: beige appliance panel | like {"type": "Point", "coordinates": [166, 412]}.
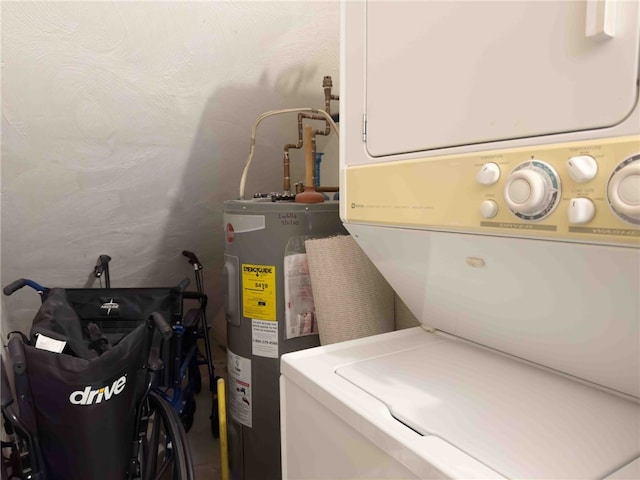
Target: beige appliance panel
{"type": "Point", "coordinates": [472, 192]}
{"type": "Point", "coordinates": [442, 74]}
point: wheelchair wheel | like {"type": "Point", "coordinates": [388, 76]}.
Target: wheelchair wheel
{"type": "Point", "coordinates": [19, 460]}
{"type": "Point", "coordinates": [164, 454]}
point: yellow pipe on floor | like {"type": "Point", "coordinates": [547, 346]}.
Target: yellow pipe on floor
{"type": "Point", "coordinates": [222, 418]}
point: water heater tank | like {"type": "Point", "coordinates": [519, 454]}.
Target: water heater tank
{"type": "Point", "coordinates": [269, 311]}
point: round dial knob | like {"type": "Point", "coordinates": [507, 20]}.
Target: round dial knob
{"type": "Point", "coordinates": [581, 210]}
{"type": "Point", "coordinates": [582, 168]}
{"type": "Point", "coordinates": [532, 191]}
{"type": "Point", "coordinates": [623, 190]}
{"type": "Point", "coordinates": [488, 209]}
{"type": "Point", "coordinates": [488, 174]}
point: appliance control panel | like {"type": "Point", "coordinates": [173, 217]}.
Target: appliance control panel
{"type": "Point", "coordinates": [582, 191]}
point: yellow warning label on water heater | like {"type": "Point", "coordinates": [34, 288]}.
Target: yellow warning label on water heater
{"type": "Point", "coordinates": [259, 291]}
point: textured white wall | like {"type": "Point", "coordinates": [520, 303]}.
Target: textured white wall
{"type": "Point", "coordinates": [125, 125]}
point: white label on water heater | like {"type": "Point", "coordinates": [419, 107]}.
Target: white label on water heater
{"type": "Point", "coordinates": [240, 403]}
{"type": "Point", "coordinates": [264, 338]}
{"type": "Point", "coordinates": [300, 311]}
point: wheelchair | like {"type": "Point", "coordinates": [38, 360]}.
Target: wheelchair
{"type": "Point", "coordinates": [114, 312]}
{"type": "Point", "coordinates": [80, 407]}
{"type": "Point", "coordinates": [182, 356]}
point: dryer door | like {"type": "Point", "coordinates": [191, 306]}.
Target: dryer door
{"type": "Point", "coordinates": [442, 74]}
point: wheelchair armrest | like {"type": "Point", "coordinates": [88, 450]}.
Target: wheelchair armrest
{"type": "Point", "coordinates": [16, 352]}
{"type": "Point", "coordinates": [155, 362]}
{"type": "Point", "coordinates": [196, 296]}
{"type": "Point", "coordinates": [6, 398]}
{"type": "Point", "coordinates": [162, 325]}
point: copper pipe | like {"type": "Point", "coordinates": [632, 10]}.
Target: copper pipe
{"type": "Point", "coordinates": [287, 173]}
{"type": "Point", "coordinates": [313, 156]}
{"type": "Point", "coordinates": [327, 85]}
{"type": "Point", "coordinates": [327, 189]}
{"type": "Point", "coordinates": [287, 147]}
{"type": "Point", "coordinates": [309, 195]}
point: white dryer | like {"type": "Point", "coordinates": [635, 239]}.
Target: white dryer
{"type": "Point", "coordinates": [490, 168]}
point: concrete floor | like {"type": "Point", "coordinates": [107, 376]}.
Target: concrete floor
{"type": "Point", "coordinates": [205, 450]}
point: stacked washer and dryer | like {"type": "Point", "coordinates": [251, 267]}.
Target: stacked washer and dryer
{"type": "Point", "coordinates": [490, 168]}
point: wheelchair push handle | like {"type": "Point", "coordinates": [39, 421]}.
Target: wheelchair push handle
{"type": "Point", "coordinates": [22, 282]}
{"type": "Point", "coordinates": [197, 266]}
{"type": "Point", "coordinates": [102, 265]}
{"type": "Point", "coordinates": [162, 325]}
{"type": "Point", "coordinates": [193, 260]}
{"type": "Point", "coordinates": [102, 269]}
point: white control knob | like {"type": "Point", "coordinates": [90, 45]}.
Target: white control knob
{"type": "Point", "coordinates": [532, 191]}
{"type": "Point", "coordinates": [581, 210]}
{"type": "Point", "coordinates": [488, 174]}
{"type": "Point", "coordinates": [624, 190]}
{"type": "Point", "coordinates": [582, 168]}
{"type": "Point", "coordinates": [525, 191]}
{"type": "Point", "coordinates": [488, 209]}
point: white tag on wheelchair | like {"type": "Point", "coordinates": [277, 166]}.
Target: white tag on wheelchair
{"type": "Point", "coordinates": [50, 344]}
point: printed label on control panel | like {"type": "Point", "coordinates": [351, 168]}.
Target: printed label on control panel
{"type": "Point", "coordinates": [520, 226]}
{"type": "Point", "coordinates": [259, 291]}
{"type": "Point", "coordinates": [623, 232]}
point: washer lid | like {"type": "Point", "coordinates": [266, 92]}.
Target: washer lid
{"type": "Point", "coordinates": [520, 420]}
{"type": "Point", "coordinates": [442, 74]}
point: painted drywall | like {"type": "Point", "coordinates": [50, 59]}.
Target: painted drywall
{"type": "Point", "coordinates": [125, 125]}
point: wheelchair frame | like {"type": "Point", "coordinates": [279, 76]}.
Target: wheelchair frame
{"type": "Point", "coordinates": [159, 439]}
{"type": "Point", "coordinates": [181, 378]}
{"type": "Point", "coordinates": [184, 362]}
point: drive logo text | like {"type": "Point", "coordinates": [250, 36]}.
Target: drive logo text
{"type": "Point", "coordinates": [90, 397]}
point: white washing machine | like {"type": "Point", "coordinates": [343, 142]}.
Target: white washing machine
{"type": "Point", "coordinates": [490, 168]}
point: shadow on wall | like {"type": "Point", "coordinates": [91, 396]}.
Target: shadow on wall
{"type": "Point", "coordinates": [190, 209]}
{"type": "Point", "coordinates": [125, 125]}
{"type": "Point", "coordinates": [213, 170]}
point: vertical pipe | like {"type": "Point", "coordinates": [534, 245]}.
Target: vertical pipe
{"type": "Point", "coordinates": [287, 173]}
{"type": "Point", "coordinates": [327, 85]}
{"type": "Point", "coordinates": [309, 141]}
{"type": "Point", "coordinates": [222, 418]}
{"type": "Point", "coordinates": [313, 156]}
{"type": "Point", "coordinates": [309, 195]}
{"type": "Point", "coordinates": [316, 176]}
